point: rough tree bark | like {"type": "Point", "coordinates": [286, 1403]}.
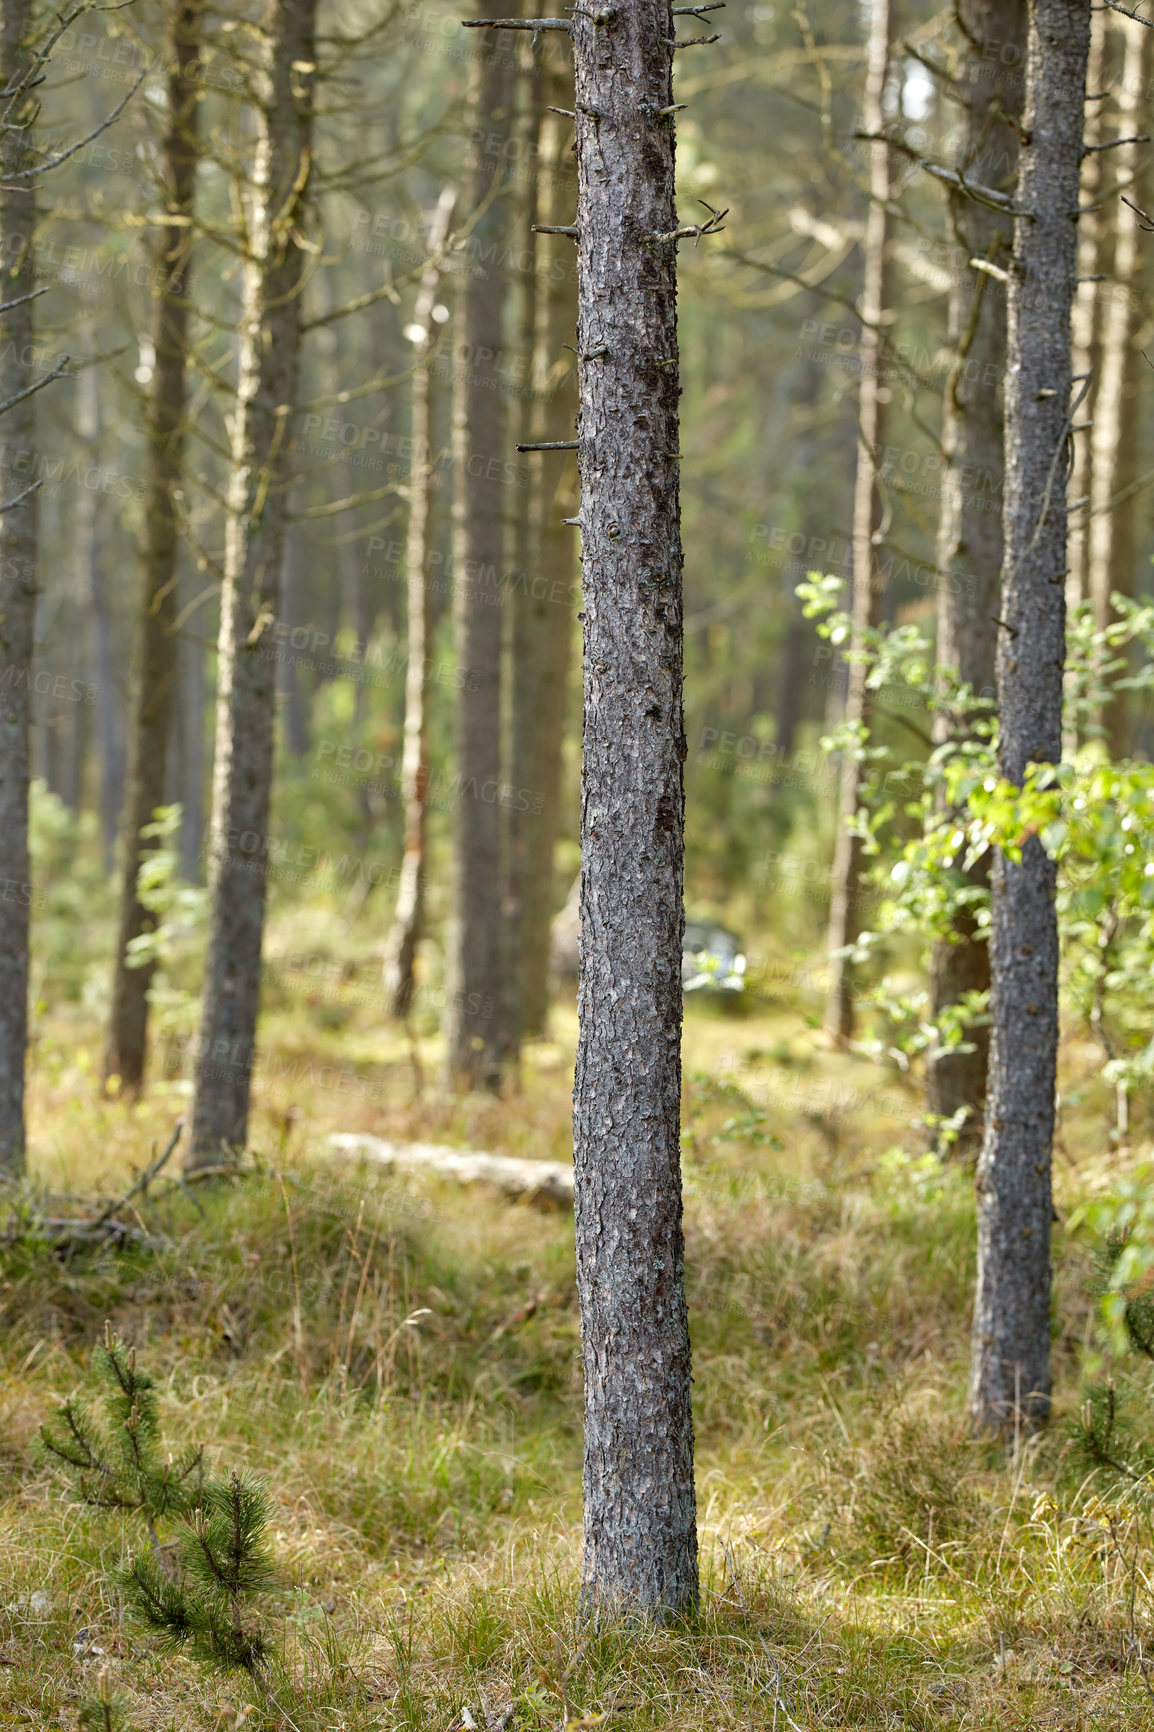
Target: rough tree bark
{"type": "Point", "coordinates": [408, 917]}
{"type": "Point", "coordinates": [93, 593]}
{"type": "Point", "coordinates": [543, 605]}
{"type": "Point", "coordinates": [18, 556]}
{"type": "Point", "coordinates": [640, 1551]}
{"type": "Point", "coordinates": [1114, 437]}
{"type": "Point", "coordinates": [254, 554]}
{"type": "Point", "coordinates": [154, 692]}
{"type": "Point", "coordinates": [868, 585]}
{"type": "Point", "coordinates": [1010, 1377]}
{"type": "Point", "coordinates": [473, 1021]}
{"type": "Point", "coordinates": [970, 527]}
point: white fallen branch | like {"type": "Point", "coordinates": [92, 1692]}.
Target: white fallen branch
{"type": "Point", "coordinates": [551, 1180]}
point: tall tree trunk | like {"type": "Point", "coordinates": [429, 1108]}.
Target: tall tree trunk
{"type": "Point", "coordinates": [868, 583]}
{"type": "Point", "coordinates": [640, 1552]}
{"type": "Point", "coordinates": [153, 696]}
{"type": "Point", "coordinates": [543, 605]}
{"type": "Point", "coordinates": [18, 557]}
{"type": "Point", "coordinates": [408, 917]}
{"type": "Point", "coordinates": [1085, 320]}
{"type": "Point", "coordinates": [474, 1039]}
{"type": "Point", "coordinates": [192, 703]}
{"type": "Point", "coordinates": [970, 532]}
{"type": "Point", "coordinates": [1114, 434]}
{"type": "Point", "coordinates": [91, 586]}
{"type": "Point", "coordinates": [293, 701]}
{"type": "Point", "coordinates": [1010, 1379]}
{"type": "Point", "coordinates": [250, 602]}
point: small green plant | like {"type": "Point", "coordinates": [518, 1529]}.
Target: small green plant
{"type": "Point", "coordinates": [207, 1606]}
{"type": "Point", "coordinates": [115, 1460]}
{"type": "Point", "coordinates": [104, 1709]}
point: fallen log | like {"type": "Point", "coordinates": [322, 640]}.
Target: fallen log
{"type": "Point", "coordinates": [535, 1181]}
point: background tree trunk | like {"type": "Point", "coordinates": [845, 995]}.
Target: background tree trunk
{"type": "Point", "coordinates": [544, 604]}
{"type": "Point", "coordinates": [1114, 433]}
{"type": "Point", "coordinates": [18, 574]}
{"type": "Point", "coordinates": [868, 585]}
{"type": "Point", "coordinates": [640, 1550]}
{"type": "Point", "coordinates": [250, 603]}
{"type": "Point", "coordinates": [1011, 1338]}
{"type": "Point", "coordinates": [408, 917]}
{"type": "Point", "coordinates": [970, 530]}
{"type": "Point", "coordinates": [153, 696]}
{"type": "Point", "coordinates": [1085, 320]}
{"type": "Point", "coordinates": [480, 458]}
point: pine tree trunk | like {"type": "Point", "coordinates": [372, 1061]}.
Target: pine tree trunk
{"type": "Point", "coordinates": [153, 696]}
{"type": "Point", "coordinates": [250, 602]}
{"type": "Point", "coordinates": [1010, 1379]}
{"type": "Point", "coordinates": [408, 917]}
{"type": "Point", "coordinates": [868, 585]}
{"type": "Point", "coordinates": [1085, 320]}
{"type": "Point", "coordinates": [543, 605]}
{"type": "Point", "coordinates": [18, 574]}
{"type": "Point", "coordinates": [640, 1550]}
{"type": "Point", "coordinates": [970, 529]}
{"type": "Point", "coordinates": [1114, 434]}
{"type": "Point", "coordinates": [473, 1033]}
{"type": "Point", "coordinates": [192, 704]}
{"type": "Point", "coordinates": [292, 699]}
{"type": "Point", "coordinates": [101, 634]}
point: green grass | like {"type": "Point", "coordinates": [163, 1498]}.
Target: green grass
{"type": "Point", "coordinates": [400, 1361]}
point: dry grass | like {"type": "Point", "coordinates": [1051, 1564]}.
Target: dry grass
{"type": "Point", "coordinates": [401, 1362]}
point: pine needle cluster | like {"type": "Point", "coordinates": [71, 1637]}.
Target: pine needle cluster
{"type": "Point", "coordinates": [201, 1599]}
{"type": "Point", "coordinates": [205, 1607]}
{"type": "Point", "coordinates": [115, 1459]}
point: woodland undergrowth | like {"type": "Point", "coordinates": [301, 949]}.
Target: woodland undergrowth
{"type": "Point", "coordinates": [398, 1364]}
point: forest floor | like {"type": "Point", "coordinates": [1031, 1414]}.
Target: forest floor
{"type": "Point", "coordinates": [400, 1360]}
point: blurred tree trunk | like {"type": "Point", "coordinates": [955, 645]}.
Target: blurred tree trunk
{"type": "Point", "coordinates": [191, 705]}
{"type": "Point", "coordinates": [640, 1535]}
{"type": "Point", "coordinates": [970, 528]}
{"type": "Point", "coordinates": [408, 916]}
{"type": "Point", "coordinates": [868, 583]}
{"type": "Point", "coordinates": [1085, 320]}
{"type": "Point", "coordinates": [1114, 437]}
{"type": "Point", "coordinates": [294, 703]}
{"type": "Point", "coordinates": [18, 577]}
{"type": "Point", "coordinates": [475, 1044]}
{"type": "Point", "coordinates": [101, 627]}
{"type": "Point", "coordinates": [803, 471]}
{"type": "Point", "coordinates": [250, 602]}
{"type": "Point", "coordinates": [544, 604]}
{"type": "Point", "coordinates": [1010, 1378]}
{"type": "Point", "coordinates": [156, 650]}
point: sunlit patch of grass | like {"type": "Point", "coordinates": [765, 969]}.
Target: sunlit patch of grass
{"type": "Point", "coordinates": [400, 1360]}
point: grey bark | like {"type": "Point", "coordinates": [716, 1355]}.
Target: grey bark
{"type": "Point", "coordinates": [640, 1543]}
{"type": "Point", "coordinates": [250, 602]}
{"type": "Point", "coordinates": [18, 574]}
{"type": "Point", "coordinates": [473, 1022]}
{"type": "Point", "coordinates": [408, 916]}
{"type": "Point", "coordinates": [1010, 1379]}
{"type": "Point", "coordinates": [544, 602]}
{"type": "Point", "coordinates": [868, 583]}
{"type": "Point", "coordinates": [970, 527]}
{"type": "Point", "coordinates": [156, 649]}
{"type": "Point", "coordinates": [1114, 437]}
